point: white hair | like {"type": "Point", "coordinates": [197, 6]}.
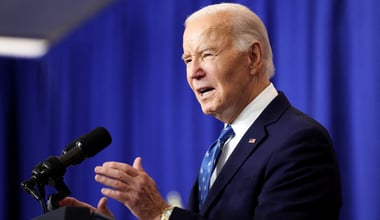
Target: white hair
{"type": "Point", "coordinates": [246, 27]}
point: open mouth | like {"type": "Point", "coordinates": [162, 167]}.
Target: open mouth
{"type": "Point", "coordinates": [204, 91]}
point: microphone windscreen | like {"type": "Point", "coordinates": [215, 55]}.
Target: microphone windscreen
{"type": "Point", "coordinates": [95, 141]}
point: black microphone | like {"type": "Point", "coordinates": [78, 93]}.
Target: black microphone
{"type": "Point", "coordinates": [81, 148]}
{"type": "Point", "coordinates": [85, 146]}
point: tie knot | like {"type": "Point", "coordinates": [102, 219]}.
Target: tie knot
{"type": "Point", "coordinates": [226, 133]}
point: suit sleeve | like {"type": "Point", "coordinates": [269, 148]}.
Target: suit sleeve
{"type": "Point", "coordinates": [183, 214]}
{"type": "Point", "coordinates": [301, 180]}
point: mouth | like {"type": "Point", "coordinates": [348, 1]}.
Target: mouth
{"type": "Point", "coordinates": [205, 90]}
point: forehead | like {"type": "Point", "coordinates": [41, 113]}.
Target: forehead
{"type": "Point", "coordinates": [206, 30]}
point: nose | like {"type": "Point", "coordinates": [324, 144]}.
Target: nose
{"type": "Point", "coordinates": [195, 70]}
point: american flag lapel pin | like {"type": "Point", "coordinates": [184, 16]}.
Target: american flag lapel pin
{"type": "Point", "coordinates": [252, 140]}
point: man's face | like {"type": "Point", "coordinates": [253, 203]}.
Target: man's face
{"type": "Point", "coordinates": [217, 72]}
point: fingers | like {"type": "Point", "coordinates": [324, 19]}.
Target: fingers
{"type": "Point", "coordinates": [131, 186]}
{"type": "Point", "coordinates": [116, 174]}
{"type": "Point", "coordinates": [121, 178]}
{"type": "Point", "coordinates": [116, 170]}
{"type": "Point", "coordinates": [121, 166]}
{"type": "Point", "coordinates": [103, 208]}
{"type": "Point", "coordinates": [117, 194]}
{"type": "Point", "coordinates": [112, 177]}
{"type": "Point", "coordinates": [70, 201]}
{"type": "Point", "coordinates": [102, 204]}
{"type": "Point", "coordinates": [137, 164]}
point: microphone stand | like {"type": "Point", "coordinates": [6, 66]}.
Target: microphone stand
{"type": "Point", "coordinates": [40, 179]}
{"type": "Point", "coordinates": [53, 199]}
{"type": "Point", "coordinates": [62, 192]}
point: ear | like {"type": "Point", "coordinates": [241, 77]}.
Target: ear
{"type": "Point", "coordinates": [255, 58]}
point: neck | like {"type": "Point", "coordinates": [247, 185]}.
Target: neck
{"type": "Point", "coordinates": [228, 117]}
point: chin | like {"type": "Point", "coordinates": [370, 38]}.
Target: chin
{"type": "Point", "coordinates": [208, 111]}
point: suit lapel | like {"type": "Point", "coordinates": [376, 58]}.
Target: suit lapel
{"type": "Point", "coordinates": [247, 145]}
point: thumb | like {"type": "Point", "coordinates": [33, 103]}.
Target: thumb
{"type": "Point", "coordinates": [103, 208]}
{"type": "Point", "coordinates": [137, 164]}
{"type": "Point", "coordinates": [102, 204]}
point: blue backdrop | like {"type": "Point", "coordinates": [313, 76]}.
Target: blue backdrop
{"type": "Point", "coordinates": [123, 70]}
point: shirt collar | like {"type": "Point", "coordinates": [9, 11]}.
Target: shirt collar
{"type": "Point", "coordinates": [252, 111]}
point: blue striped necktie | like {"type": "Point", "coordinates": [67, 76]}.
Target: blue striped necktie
{"type": "Point", "coordinates": [209, 162]}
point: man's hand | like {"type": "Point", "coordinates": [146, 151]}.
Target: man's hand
{"type": "Point", "coordinates": [102, 205]}
{"type": "Point", "coordinates": [133, 187]}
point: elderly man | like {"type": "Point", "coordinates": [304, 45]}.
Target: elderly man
{"type": "Point", "coordinates": [271, 161]}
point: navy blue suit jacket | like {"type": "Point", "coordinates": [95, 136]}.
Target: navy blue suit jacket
{"type": "Point", "coordinates": [284, 168]}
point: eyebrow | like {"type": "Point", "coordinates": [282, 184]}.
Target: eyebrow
{"type": "Point", "coordinates": [184, 56]}
{"type": "Point", "coordinates": [208, 31]}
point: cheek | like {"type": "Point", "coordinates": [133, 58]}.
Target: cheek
{"type": "Point", "coordinates": [233, 85]}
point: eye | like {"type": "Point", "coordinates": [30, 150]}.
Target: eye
{"type": "Point", "coordinates": [187, 60]}
{"type": "Point", "coordinates": [207, 55]}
